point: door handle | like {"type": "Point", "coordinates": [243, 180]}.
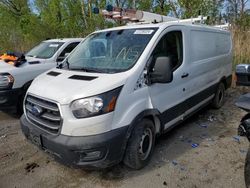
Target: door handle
{"type": "Point", "coordinates": [184, 75]}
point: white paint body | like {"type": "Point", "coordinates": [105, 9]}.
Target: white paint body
{"type": "Point", "coordinates": [27, 72]}
{"type": "Point", "coordinates": [206, 62]}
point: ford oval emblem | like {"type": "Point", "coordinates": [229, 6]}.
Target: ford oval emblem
{"type": "Point", "coordinates": [37, 110]}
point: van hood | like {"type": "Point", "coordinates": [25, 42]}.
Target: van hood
{"type": "Point", "coordinates": [64, 86]}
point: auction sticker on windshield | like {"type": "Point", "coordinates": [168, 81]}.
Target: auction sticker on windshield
{"type": "Point", "coordinates": [54, 45]}
{"type": "Point", "coordinates": [144, 32]}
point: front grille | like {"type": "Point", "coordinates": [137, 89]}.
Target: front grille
{"type": "Point", "coordinates": [243, 78]}
{"type": "Point", "coordinates": [43, 113]}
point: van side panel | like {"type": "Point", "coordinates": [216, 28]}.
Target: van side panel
{"type": "Point", "coordinates": [207, 45]}
{"type": "Point", "coordinates": [207, 59]}
{"type": "Point", "coordinates": [210, 59]}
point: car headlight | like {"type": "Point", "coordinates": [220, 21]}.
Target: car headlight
{"type": "Point", "coordinates": [95, 105]}
{"type": "Point", "coordinates": [6, 81]}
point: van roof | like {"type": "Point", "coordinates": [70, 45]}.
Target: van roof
{"type": "Point", "coordinates": [163, 25]}
{"type": "Point", "coordinates": [65, 40]}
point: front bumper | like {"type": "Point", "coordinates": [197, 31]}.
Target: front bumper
{"type": "Point", "coordinates": [9, 98]}
{"type": "Point", "coordinates": [99, 151]}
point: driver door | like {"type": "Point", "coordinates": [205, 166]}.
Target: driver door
{"type": "Point", "coordinates": [169, 98]}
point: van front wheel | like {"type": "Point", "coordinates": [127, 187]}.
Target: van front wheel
{"type": "Point", "coordinates": [140, 145]}
{"type": "Point", "coordinates": [219, 97]}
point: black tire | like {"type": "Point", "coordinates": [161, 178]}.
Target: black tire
{"type": "Point", "coordinates": [21, 98]}
{"type": "Point", "coordinates": [20, 104]}
{"type": "Point", "coordinates": [140, 145]}
{"type": "Point", "coordinates": [247, 169]}
{"type": "Point", "coordinates": [219, 97]}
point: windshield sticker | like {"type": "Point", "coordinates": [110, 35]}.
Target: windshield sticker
{"type": "Point", "coordinates": [144, 32]}
{"type": "Point", "coordinates": [53, 45]}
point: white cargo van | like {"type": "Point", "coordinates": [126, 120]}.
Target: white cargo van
{"type": "Point", "coordinates": [123, 86]}
{"type": "Point", "coordinates": [15, 80]}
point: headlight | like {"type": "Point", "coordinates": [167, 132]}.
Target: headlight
{"type": "Point", "coordinates": [96, 105]}
{"type": "Point", "coordinates": [6, 81]}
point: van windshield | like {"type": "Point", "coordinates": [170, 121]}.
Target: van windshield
{"type": "Point", "coordinates": [44, 50]}
{"type": "Point", "coordinates": [111, 51]}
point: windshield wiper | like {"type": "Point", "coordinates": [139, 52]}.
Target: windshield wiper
{"type": "Point", "coordinates": [85, 69]}
{"type": "Point", "coordinates": [91, 70]}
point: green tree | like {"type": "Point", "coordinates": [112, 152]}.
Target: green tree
{"type": "Point", "coordinates": [17, 25]}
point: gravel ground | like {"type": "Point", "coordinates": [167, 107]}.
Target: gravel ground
{"type": "Point", "coordinates": [215, 160]}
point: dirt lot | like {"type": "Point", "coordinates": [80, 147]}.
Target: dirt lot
{"type": "Point", "coordinates": [217, 161]}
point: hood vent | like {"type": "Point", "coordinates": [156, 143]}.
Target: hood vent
{"type": "Point", "coordinates": [78, 77]}
{"type": "Point", "coordinates": [52, 73]}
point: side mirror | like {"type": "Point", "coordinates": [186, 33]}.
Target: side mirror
{"type": "Point", "coordinates": [162, 72]}
{"type": "Point", "coordinates": [59, 65]}
{"type": "Point", "coordinates": [60, 58]}
{"type": "Point", "coordinates": [66, 54]}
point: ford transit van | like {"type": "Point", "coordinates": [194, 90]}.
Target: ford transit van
{"type": "Point", "coordinates": [124, 86]}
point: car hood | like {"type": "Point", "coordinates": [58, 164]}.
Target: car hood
{"type": "Point", "coordinates": [64, 86]}
{"type": "Point", "coordinates": [29, 59]}
{"type": "Point", "coordinates": [5, 67]}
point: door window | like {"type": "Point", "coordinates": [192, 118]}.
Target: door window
{"type": "Point", "coordinates": [171, 46]}
{"type": "Point", "coordinates": [67, 50]}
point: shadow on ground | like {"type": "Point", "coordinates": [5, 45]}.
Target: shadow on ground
{"type": "Point", "coordinates": [200, 151]}
{"type": "Point", "coordinates": [200, 130]}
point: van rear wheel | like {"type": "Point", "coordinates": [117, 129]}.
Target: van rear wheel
{"type": "Point", "coordinates": [140, 145]}
{"type": "Point", "coordinates": [219, 97]}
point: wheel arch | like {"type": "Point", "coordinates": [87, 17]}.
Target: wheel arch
{"type": "Point", "coordinates": [21, 96]}
{"type": "Point", "coordinates": [151, 114]}
{"type": "Point", "coordinates": [148, 115]}
{"type": "Point", "coordinates": [26, 85]}
{"type": "Point", "coordinates": [24, 88]}
{"type": "Point", "coordinates": [227, 81]}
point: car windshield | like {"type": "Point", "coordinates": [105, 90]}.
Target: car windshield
{"type": "Point", "coordinates": [44, 50]}
{"type": "Point", "coordinates": [110, 51]}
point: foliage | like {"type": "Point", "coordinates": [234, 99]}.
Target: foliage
{"type": "Point", "coordinates": [26, 22]}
